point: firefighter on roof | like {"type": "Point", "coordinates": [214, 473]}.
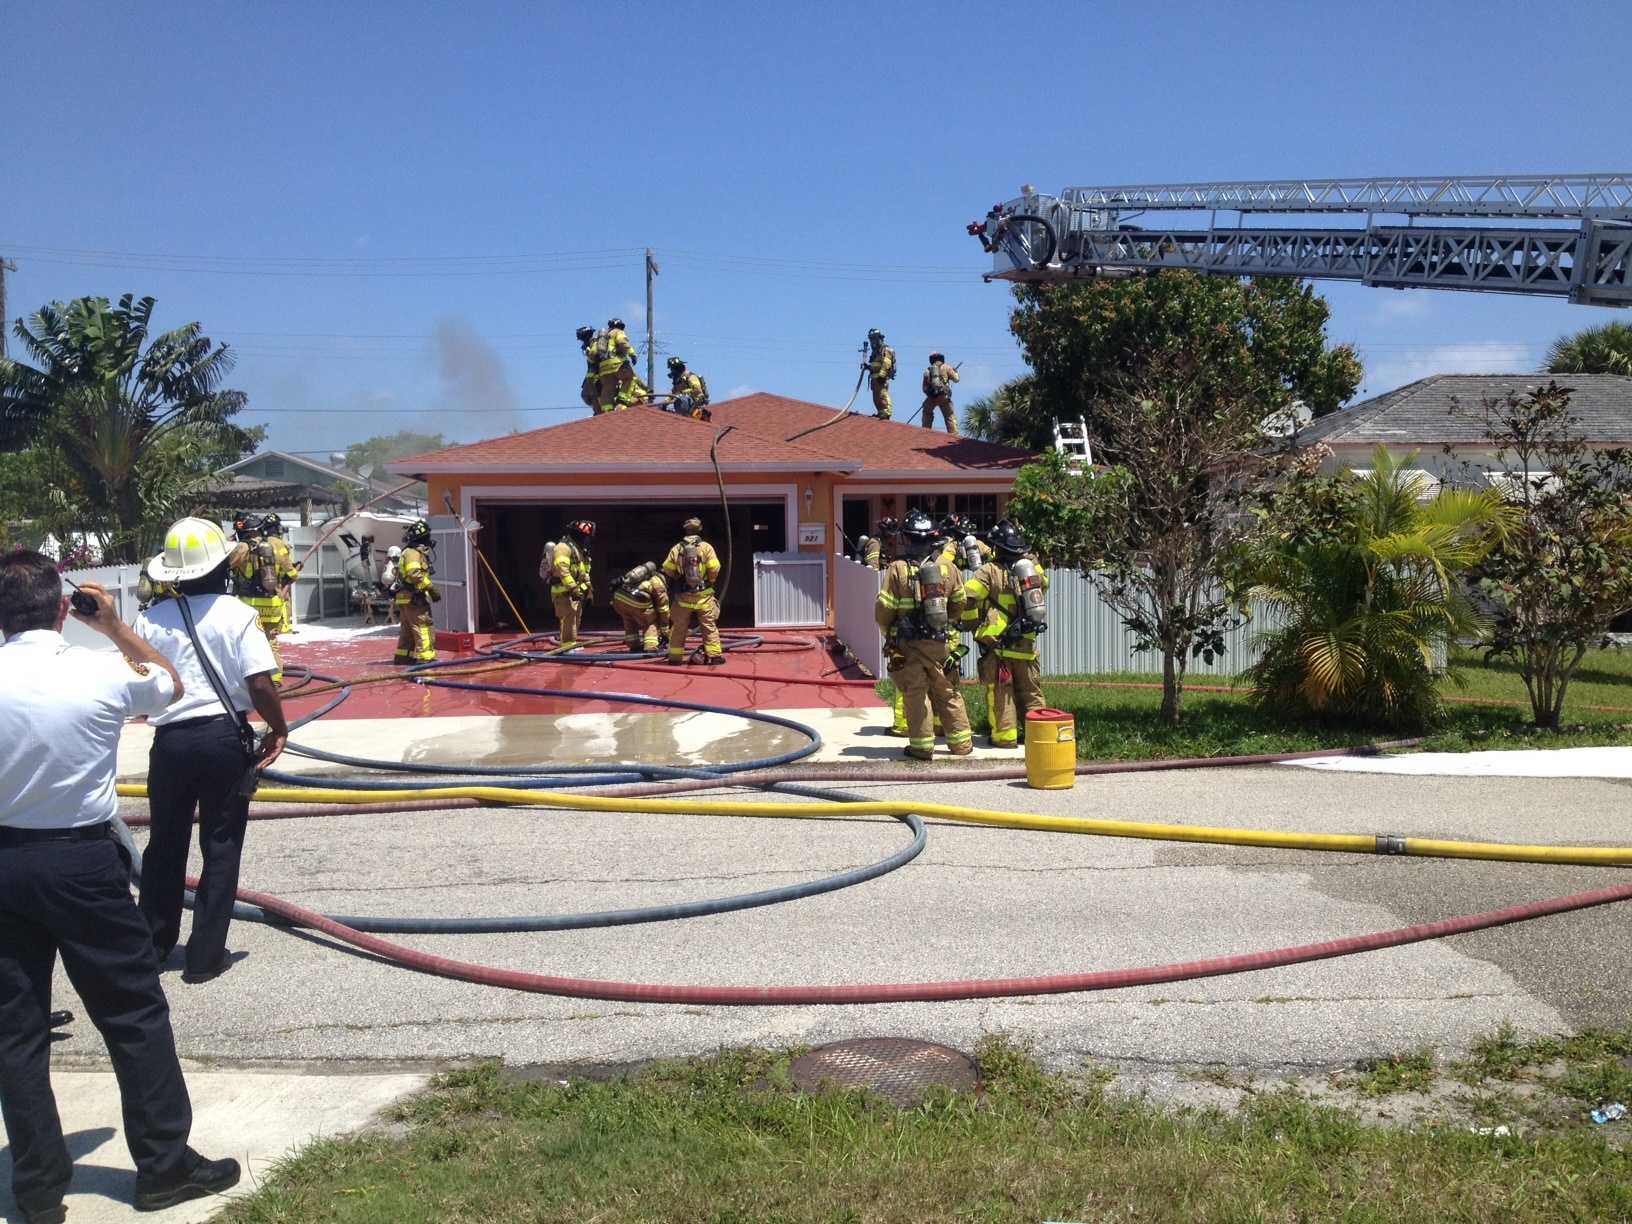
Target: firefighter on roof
{"type": "Point", "coordinates": [922, 597]}
{"type": "Point", "coordinates": [694, 567]}
{"type": "Point", "coordinates": [689, 389]}
{"type": "Point", "coordinates": [880, 366]}
{"type": "Point", "coordinates": [1006, 610]}
{"type": "Point", "coordinates": [641, 600]}
{"type": "Point", "coordinates": [592, 362]}
{"type": "Point", "coordinates": [566, 567]}
{"type": "Point", "coordinates": [614, 365]}
{"type": "Point", "coordinates": [415, 594]}
{"type": "Point", "coordinates": [938, 380]}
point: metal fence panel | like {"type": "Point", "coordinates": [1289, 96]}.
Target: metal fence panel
{"type": "Point", "coordinates": [790, 589]}
{"type": "Point", "coordinates": [854, 595]}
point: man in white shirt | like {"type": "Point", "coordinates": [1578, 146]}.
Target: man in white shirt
{"type": "Point", "coordinates": [65, 889]}
{"type": "Point", "coordinates": [200, 761]}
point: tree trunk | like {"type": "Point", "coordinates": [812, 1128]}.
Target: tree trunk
{"type": "Point", "coordinates": [126, 504]}
{"type": "Point", "coordinates": [1172, 686]}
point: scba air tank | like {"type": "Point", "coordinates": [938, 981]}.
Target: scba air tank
{"type": "Point", "coordinates": [932, 594]}
{"type": "Point", "coordinates": [1028, 583]}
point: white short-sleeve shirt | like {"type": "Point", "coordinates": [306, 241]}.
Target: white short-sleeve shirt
{"type": "Point", "coordinates": [231, 633]}
{"type": "Point", "coordinates": [62, 708]}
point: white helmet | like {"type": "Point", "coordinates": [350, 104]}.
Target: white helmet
{"type": "Point", "coordinates": [193, 547]}
{"type": "Point", "coordinates": [394, 552]}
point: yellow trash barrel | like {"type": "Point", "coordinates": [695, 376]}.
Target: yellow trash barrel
{"type": "Point", "coordinates": [1051, 750]}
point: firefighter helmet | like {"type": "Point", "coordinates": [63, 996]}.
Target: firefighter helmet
{"type": "Point", "coordinates": [272, 525]}
{"type": "Point", "coordinates": [585, 334]}
{"type": "Point", "coordinates": [692, 526]}
{"type": "Point", "coordinates": [193, 547]}
{"type": "Point", "coordinates": [1007, 539]}
{"type": "Point", "coordinates": [918, 527]}
{"type": "Point", "coordinates": [874, 334]}
{"type": "Point", "coordinates": [584, 529]}
{"type": "Point", "coordinates": [417, 534]}
{"type": "Point", "coordinates": [937, 356]}
{"type": "Point", "coordinates": [247, 526]}
{"type": "Point", "coordinates": [615, 324]}
{"type": "Point", "coordinates": [676, 363]}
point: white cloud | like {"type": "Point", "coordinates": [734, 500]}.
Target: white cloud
{"type": "Point", "coordinates": [1389, 370]}
{"type": "Point", "coordinates": [977, 379]}
{"type": "Point", "coordinates": [1403, 305]}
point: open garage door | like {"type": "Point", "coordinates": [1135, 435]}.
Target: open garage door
{"type": "Point", "coordinates": [514, 533]}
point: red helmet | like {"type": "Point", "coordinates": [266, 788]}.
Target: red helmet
{"type": "Point", "coordinates": [583, 528]}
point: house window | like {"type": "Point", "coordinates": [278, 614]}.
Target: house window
{"type": "Point", "coordinates": [272, 468]}
{"type": "Point", "coordinates": [981, 508]}
{"type": "Point", "coordinates": [936, 505]}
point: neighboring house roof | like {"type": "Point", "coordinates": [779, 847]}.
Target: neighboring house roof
{"type": "Point", "coordinates": [638, 439]}
{"type": "Point", "coordinates": [876, 447]}
{"type": "Point", "coordinates": [1445, 408]}
{"type": "Point", "coordinates": [366, 487]}
{"type": "Point", "coordinates": [253, 492]}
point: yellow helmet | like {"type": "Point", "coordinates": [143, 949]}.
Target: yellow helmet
{"type": "Point", "coordinates": [193, 547]}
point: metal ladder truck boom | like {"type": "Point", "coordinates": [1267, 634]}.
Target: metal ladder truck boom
{"type": "Point", "coordinates": [1490, 234]}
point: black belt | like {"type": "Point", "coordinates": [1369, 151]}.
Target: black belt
{"type": "Point", "coordinates": [12, 836]}
{"type": "Point", "coordinates": [193, 722]}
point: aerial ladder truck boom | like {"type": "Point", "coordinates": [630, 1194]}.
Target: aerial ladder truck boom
{"type": "Point", "coordinates": [1562, 235]}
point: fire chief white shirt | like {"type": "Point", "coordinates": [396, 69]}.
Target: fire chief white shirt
{"type": "Point", "coordinates": [61, 710]}
{"type": "Point", "coordinates": [230, 631]}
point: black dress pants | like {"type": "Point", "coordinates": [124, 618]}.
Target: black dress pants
{"type": "Point", "coordinates": [73, 898]}
{"type": "Point", "coordinates": [196, 764]}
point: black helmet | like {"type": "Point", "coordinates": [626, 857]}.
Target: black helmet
{"type": "Point", "coordinates": [616, 324]}
{"type": "Point", "coordinates": [918, 527]}
{"type": "Point", "coordinates": [888, 526]}
{"type": "Point", "coordinates": [247, 526]}
{"type": "Point", "coordinates": [272, 524]}
{"type": "Point", "coordinates": [1007, 539]}
{"type": "Point", "coordinates": [937, 356]}
{"type": "Point", "coordinates": [874, 334]}
{"type": "Point", "coordinates": [952, 525]}
{"type": "Point", "coordinates": [692, 526]}
{"type": "Point", "coordinates": [585, 334]}
{"type": "Point", "coordinates": [676, 363]}
{"type": "Point", "coordinates": [417, 534]}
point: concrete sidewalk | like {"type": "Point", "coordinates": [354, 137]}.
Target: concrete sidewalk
{"type": "Point", "coordinates": [256, 1116]}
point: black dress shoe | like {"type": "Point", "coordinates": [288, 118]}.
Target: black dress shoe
{"type": "Point", "coordinates": [201, 1177]}
{"type": "Point", "coordinates": [59, 1018]}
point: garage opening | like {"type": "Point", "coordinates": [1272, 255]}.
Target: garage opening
{"type": "Point", "coordinates": [513, 535]}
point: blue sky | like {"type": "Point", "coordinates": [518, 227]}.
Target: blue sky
{"type": "Point", "coordinates": [397, 214]}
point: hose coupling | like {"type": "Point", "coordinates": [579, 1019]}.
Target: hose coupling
{"type": "Point", "coordinates": [1390, 843]}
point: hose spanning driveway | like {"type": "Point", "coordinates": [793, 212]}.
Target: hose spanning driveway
{"type": "Point", "coordinates": [650, 789]}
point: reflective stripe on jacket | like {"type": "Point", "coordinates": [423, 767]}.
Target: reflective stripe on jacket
{"type": "Point", "coordinates": [653, 593]}
{"type": "Point", "coordinates": [569, 571]}
{"type": "Point", "coordinates": [674, 565]}
{"type": "Point", "coordinates": [898, 597]}
{"type": "Point", "coordinates": [992, 606]}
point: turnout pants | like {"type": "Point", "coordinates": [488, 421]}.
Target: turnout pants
{"type": "Point", "coordinates": [948, 416]}
{"type": "Point", "coordinates": [928, 693]}
{"type": "Point", "coordinates": [1014, 688]}
{"type": "Point", "coordinates": [608, 386]}
{"type": "Point", "coordinates": [194, 766]}
{"type": "Point", "coordinates": [706, 614]}
{"type": "Point", "coordinates": [414, 641]}
{"type": "Point", "coordinates": [73, 898]}
{"type": "Point", "coordinates": [569, 611]}
{"type": "Point", "coordinates": [880, 388]}
{"type": "Point", "coordinates": [639, 626]}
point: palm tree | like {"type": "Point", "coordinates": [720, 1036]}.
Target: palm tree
{"type": "Point", "coordinates": [1001, 415]}
{"type": "Point", "coordinates": [105, 406]}
{"type": "Point", "coordinates": [1366, 597]}
{"type": "Point", "coordinates": [1606, 349]}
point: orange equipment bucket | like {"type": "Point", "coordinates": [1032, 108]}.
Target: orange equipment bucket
{"type": "Point", "coordinates": [1051, 750]}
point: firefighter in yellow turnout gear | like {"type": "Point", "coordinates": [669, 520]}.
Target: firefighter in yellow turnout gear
{"type": "Point", "coordinates": [566, 568]}
{"type": "Point", "coordinates": [415, 593]}
{"type": "Point", "coordinates": [955, 552]}
{"type": "Point", "coordinates": [880, 366]}
{"type": "Point", "coordinates": [920, 601]}
{"type": "Point", "coordinates": [284, 564]}
{"type": "Point", "coordinates": [254, 565]}
{"type": "Point", "coordinates": [688, 389]}
{"type": "Point", "coordinates": [693, 566]}
{"type": "Point", "coordinates": [1006, 610]}
{"type": "Point", "coordinates": [614, 365]}
{"type": "Point", "coordinates": [938, 380]}
{"type": "Point", "coordinates": [641, 600]}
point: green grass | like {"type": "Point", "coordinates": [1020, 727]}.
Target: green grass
{"type": "Point", "coordinates": [1399, 1073]}
{"type": "Point", "coordinates": [1117, 723]}
{"type": "Point", "coordinates": [724, 1140]}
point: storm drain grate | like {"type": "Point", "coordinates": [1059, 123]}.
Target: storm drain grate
{"type": "Point", "coordinates": [898, 1069]}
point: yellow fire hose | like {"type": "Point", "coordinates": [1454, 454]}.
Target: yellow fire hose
{"type": "Point", "coordinates": [1348, 843]}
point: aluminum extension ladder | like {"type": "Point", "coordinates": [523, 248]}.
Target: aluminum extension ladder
{"type": "Point", "coordinates": [1071, 440]}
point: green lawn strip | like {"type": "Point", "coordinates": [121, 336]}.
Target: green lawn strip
{"type": "Point", "coordinates": [725, 1140]}
{"type": "Point", "coordinates": [1116, 714]}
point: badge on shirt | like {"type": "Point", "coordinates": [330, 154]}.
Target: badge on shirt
{"type": "Point", "coordinates": [141, 669]}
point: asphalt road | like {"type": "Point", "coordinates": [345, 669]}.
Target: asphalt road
{"type": "Point", "coordinates": [979, 902]}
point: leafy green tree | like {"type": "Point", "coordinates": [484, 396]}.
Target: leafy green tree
{"type": "Point", "coordinates": [1155, 531]}
{"type": "Point", "coordinates": [1262, 339]}
{"type": "Point", "coordinates": [1001, 415]}
{"type": "Point", "coordinates": [1564, 573]}
{"type": "Point", "coordinates": [1368, 580]}
{"type": "Point", "coordinates": [106, 397]}
{"type": "Point", "coordinates": [1606, 349]}
{"type": "Point", "coordinates": [383, 448]}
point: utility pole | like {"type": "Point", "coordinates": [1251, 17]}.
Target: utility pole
{"type": "Point", "coordinates": [651, 330]}
{"type": "Point", "coordinates": [7, 265]}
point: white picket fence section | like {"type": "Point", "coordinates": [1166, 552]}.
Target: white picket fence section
{"type": "Point", "coordinates": [1084, 636]}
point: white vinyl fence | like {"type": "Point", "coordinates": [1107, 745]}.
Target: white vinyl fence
{"type": "Point", "coordinates": [1083, 635]}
